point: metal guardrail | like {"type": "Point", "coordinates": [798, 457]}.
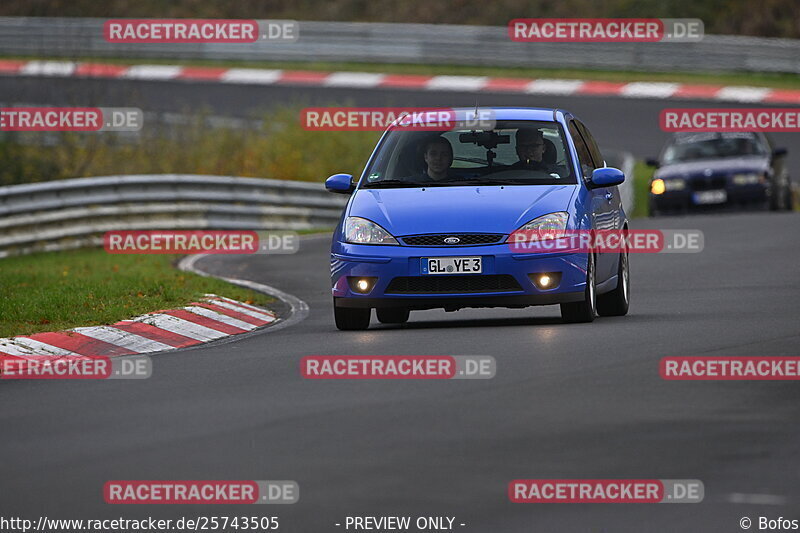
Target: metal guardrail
{"type": "Point", "coordinates": [411, 43]}
{"type": "Point", "coordinates": [65, 214]}
{"type": "Point", "coordinates": [625, 162]}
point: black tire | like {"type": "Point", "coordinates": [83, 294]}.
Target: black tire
{"type": "Point", "coordinates": [351, 319]}
{"type": "Point", "coordinates": [584, 311]}
{"type": "Point", "coordinates": [616, 302]}
{"type": "Point", "coordinates": [789, 200]}
{"type": "Point", "coordinates": [776, 199]}
{"type": "Point", "coordinates": [392, 315]}
{"type": "Point", "coordinates": [652, 210]}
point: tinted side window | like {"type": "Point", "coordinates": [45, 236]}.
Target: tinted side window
{"type": "Point", "coordinates": [591, 144]}
{"type": "Point", "coordinates": [583, 152]}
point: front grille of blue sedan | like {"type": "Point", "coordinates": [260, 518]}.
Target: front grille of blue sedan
{"type": "Point", "coordinates": [453, 284]}
{"type": "Point", "coordinates": [707, 183]}
{"type": "Point", "coordinates": [452, 239]}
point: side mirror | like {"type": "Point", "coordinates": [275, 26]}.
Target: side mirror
{"type": "Point", "coordinates": [340, 183]}
{"type": "Point", "coordinates": [606, 177]}
{"type": "Point", "coordinates": [652, 162]}
{"type": "Point", "coordinates": [777, 152]}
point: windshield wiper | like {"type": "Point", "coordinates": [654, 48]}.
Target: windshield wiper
{"type": "Point", "coordinates": [479, 181]}
{"type": "Point", "coordinates": [393, 183]}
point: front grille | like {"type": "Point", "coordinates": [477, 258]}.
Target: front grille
{"type": "Point", "coordinates": [708, 183]}
{"type": "Point", "coordinates": [464, 239]}
{"type": "Point", "coordinates": [443, 284]}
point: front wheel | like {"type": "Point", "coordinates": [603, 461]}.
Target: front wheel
{"type": "Point", "coordinates": [789, 205]}
{"type": "Point", "coordinates": [586, 310]}
{"type": "Point", "coordinates": [351, 319]}
{"type": "Point", "coordinates": [615, 303]}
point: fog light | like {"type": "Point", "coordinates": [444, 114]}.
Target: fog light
{"type": "Point", "coordinates": [361, 285]}
{"type": "Point", "coordinates": [546, 280]}
{"type": "Point", "coordinates": [658, 187]}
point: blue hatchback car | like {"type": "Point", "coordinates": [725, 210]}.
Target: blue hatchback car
{"type": "Point", "coordinates": [428, 222]}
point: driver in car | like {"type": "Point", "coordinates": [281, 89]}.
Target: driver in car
{"type": "Point", "coordinates": [530, 150]}
{"type": "Point", "coordinates": [438, 155]}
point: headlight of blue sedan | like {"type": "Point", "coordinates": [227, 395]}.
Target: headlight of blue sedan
{"type": "Point", "coordinates": [748, 178]}
{"type": "Point", "coordinates": [359, 230]}
{"type": "Point", "coordinates": [552, 225]}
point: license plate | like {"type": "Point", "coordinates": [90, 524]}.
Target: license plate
{"type": "Point", "coordinates": [710, 197]}
{"type": "Point", "coordinates": [451, 265]}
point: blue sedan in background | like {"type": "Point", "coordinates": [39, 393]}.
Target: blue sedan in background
{"type": "Point", "coordinates": [714, 169]}
{"type": "Point", "coordinates": [428, 222]}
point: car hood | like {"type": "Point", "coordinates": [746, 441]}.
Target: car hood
{"type": "Point", "coordinates": [726, 165]}
{"type": "Point", "coordinates": [469, 209]}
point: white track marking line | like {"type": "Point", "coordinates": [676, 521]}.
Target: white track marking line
{"type": "Point", "coordinates": [742, 94]}
{"type": "Point", "coordinates": [181, 327]}
{"type": "Point", "coordinates": [353, 79]}
{"type": "Point", "coordinates": [641, 89]}
{"type": "Point", "coordinates": [298, 309]}
{"type": "Point", "coordinates": [457, 83]}
{"type": "Point", "coordinates": [219, 317]}
{"type": "Point", "coordinates": [48, 68]}
{"type": "Point", "coordinates": [252, 76]}
{"type": "Point", "coordinates": [237, 303]}
{"type": "Point", "coordinates": [553, 86]}
{"type": "Point", "coordinates": [24, 347]}
{"type": "Point", "coordinates": [239, 309]}
{"type": "Point", "coordinates": [153, 72]}
{"type": "Point", "coordinates": [40, 348]}
{"type": "Point", "coordinates": [117, 337]}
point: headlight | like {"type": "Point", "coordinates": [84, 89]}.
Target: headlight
{"type": "Point", "coordinates": [550, 226]}
{"type": "Point", "coordinates": [359, 230]}
{"type": "Point", "coordinates": [659, 186]}
{"type": "Point", "coordinates": [749, 178]}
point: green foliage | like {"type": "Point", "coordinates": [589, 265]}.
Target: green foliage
{"type": "Point", "coordinates": [60, 290]}
{"type": "Point", "coordinates": [281, 149]}
{"type": "Point", "coordinates": [769, 18]}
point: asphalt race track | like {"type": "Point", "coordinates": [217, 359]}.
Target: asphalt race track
{"type": "Point", "coordinates": [568, 401]}
{"type": "Point", "coordinates": [622, 124]}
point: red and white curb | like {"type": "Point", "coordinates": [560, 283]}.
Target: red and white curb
{"type": "Point", "coordinates": [369, 80]}
{"type": "Point", "coordinates": [212, 318]}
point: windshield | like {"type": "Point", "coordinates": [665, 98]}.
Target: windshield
{"type": "Point", "coordinates": [712, 145]}
{"type": "Point", "coordinates": [516, 152]}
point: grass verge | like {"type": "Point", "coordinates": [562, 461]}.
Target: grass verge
{"type": "Point", "coordinates": [280, 149]}
{"type": "Point", "coordinates": [641, 188]}
{"type": "Point", "coordinates": [759, 79]}
{"type": "Point", "coordinates": [61, 290]}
